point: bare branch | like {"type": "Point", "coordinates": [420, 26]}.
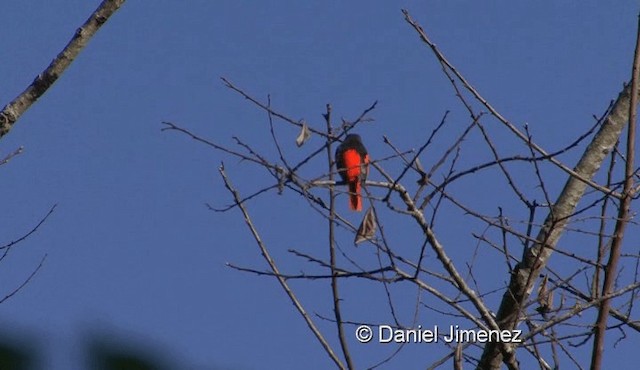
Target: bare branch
{"type": "Point", "coordinates": [332, 248]}
{"type": "Point", "coordinates": [445, 63]}
{"type": "Point", "coordinates": [611, 270]}
{"type": "Point", "coordinates": [12, 111]}
{"type": "Point", "coordinates": [267, 256]}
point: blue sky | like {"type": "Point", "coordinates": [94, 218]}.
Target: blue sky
{"type": "Point", "coordinates": [132, 249]}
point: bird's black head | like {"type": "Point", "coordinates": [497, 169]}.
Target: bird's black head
{"type": "Point", "coordinates": [352, 138]}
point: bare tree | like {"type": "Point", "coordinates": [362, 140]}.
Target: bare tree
{"type": "Point", "coordinates": [429, 195]}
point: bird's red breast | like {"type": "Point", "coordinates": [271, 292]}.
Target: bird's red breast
{"type": "Point", "coordinates": [352, 161]}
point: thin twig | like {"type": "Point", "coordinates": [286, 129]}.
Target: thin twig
{"type": "Point", "coordinates": [33, 230]}
{"type": "Point", "coordinates": [341, 273]}
{"type": "Point", "coordinates": [26, 281]}
{"type": "Point", "coordinates": [10, 156]}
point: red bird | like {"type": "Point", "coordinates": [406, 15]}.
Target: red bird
{"type": "Point", "coordinates": [352, 161]}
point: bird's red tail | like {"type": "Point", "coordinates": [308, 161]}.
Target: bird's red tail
{"type": "Point", "coordinates": [355, 199]}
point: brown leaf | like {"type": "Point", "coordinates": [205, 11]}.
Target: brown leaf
{"type": "Point", "coordinates": [367, 229]}
{"type": "Point", "coordinates": [305, 134]}
{"type": "Point", "coordinates": [419, 167]}
{"type": "Point", "coordinates": [545, 297]}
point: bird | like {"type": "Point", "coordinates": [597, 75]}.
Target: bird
{"type": "Point", "coordinates": [352, 161]}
